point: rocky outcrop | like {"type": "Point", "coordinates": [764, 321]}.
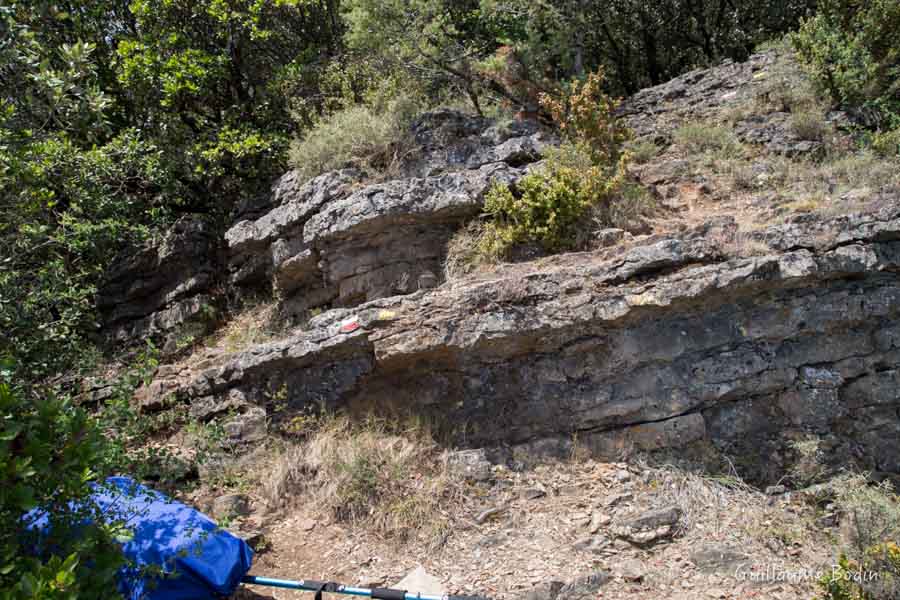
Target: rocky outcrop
{"type": "Point", "coordinates": [163, 290]}
{"type": "Point", "coordinates": [705, 94]}
{"type": "Point", "coordinates": [336, 240]}
{"type": "Point", "coordinates": [665, 344]}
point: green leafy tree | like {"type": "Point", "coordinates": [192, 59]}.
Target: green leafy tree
{"type": "Point", "coordinates": [852, 50]}
{"type": "Point", "coordinates": [51, 453]}
{"type": "Point", "coordinates": [639, 43]}
{"type": "Point", "coordinates": [441, 43]}
{"type": "Point", "coordinates": [203, 77]}
{"type": "Point", "coordinates": [117, 116]}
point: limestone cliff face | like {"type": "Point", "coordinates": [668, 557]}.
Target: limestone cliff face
{"type": "Point", "coordinates": [664, 341]}
{"type": "Point", "coordinates": [664, 345]}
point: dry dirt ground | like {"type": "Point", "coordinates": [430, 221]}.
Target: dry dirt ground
{"type": "Point", "coordinates": [515, 535]}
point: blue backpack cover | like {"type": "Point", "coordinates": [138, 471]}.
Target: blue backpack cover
{"type": "Point", "coordinates": [200, 560]}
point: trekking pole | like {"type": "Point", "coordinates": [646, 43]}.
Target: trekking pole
{"type": "Point", "coordinates": [336, 588]}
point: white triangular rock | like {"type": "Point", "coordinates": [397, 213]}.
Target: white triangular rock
{"type": "Point", "coordinates": [419, 581]}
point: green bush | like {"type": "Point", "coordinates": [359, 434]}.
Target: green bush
{"type": "Point", "coordinates": [548, 205]}
{"type": "Point", "coordinates": [874, 577]}
{"type": "Point", "coordinates": [872, 516]}
{"type": "Point", "coordinates": [887, 143]}
{"type": "Point", "coordinates": [852, 50]}
{"type": "Point", "coordinates": [643, 151]}
{"type": "Point", "coordinates": [50, 453]}
{"type": "Point", "coordinates": [65, 211]}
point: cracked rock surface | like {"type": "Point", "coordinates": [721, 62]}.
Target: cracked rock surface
{"type": "Point", "coordinates": [336, 240]}
{"type": "Point", "coordinates": [659, 346]}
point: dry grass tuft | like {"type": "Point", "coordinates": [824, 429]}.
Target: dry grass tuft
{"type": "Point", "coordinates": [626, 209]}
{"type": "Point", "coordinates": [364, 474]}
{"type": "Point", "coordinates": [810, 124]}
{"type": "Point", "coordinates": [358, 135]}
{"type": "Point", "coordinates": [708, 504]}
{"type": "Point", "coordinates": [739, 244]}
{"type": "Point", "coordinates": [466, 252]}
{"type": "Point", "coordinates": [254, 325]}
{"type": "Point", "coordinates": [717, 140]}
{"type": "Point", "coordinates": [724, 507]}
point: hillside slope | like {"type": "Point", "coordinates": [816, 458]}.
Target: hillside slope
{"type": "Point", "coordinates": [753, 315]}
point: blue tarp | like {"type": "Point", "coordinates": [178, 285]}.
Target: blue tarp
{"type": "Point", "coordinates": [200, 559]}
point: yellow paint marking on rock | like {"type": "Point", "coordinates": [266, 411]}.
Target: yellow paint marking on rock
{"type": "Point", "coordinates": [645, 299]}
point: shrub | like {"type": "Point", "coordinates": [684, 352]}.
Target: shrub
{"type": "Point", "coordinates": [785, 87]}
{"type": "Point", "coordinates": [50, 453]}
{"type": "Point", "coordinates": [874, 577]}
{"type": "Point", "coordinates": [887, 143]}
{"type": "Point", "coordinates": [873, 517]}
{"type": "Point", "coordinates": [851, 49]}
{"type": "Point", "coordinates": [585, 117]}
{"type": "Point", "coordinates": [809, 125]}
{"type": "Point", "coordinates": [365, 135]}
{"type": "Point", "coordinates": [548, 205]}
{"type": "Point", "coordinates": [808, 467]}
{"type": "Point", "coordinates": [643, 151]}
{"type": "Point", "coordinates": [873, 513]}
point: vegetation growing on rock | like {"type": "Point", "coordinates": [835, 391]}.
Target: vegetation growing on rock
{"type": "Point", "coordinates": [748, 322]}
{"type": "Point", "coordinates": [549, 205]}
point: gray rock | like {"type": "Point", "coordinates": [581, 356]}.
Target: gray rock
{"type": "Point", "coordinates": [584, 588]}
{"type": "Point", "coordinates": [716, 557]}
{"type": "Point", "coordinates": [630, 569]}
{"type": "Point", "coordinates": [599, 520]}
{"type": "Point", "coordinates": [155, 396]}
{"type": "Point", "coordinates": [246, 428]}
{"type": "Point", "coordinates": [650, 527]}
{"type": "Point", "coordinates": [544, 591]}
{"type": "Point", "coordinates": [255, 538]}
{"type": "Point", "coordinates": [532, 493]}
{"type": "Point", "coordinates": [469, 464]}
{"type": "Point", "coordinates": [163, 290]}
{"type": "Point", "coordinates": [662, 346]}
{"type": "Point", "coordinates": [419, 581]}
{"type": "Point", "coordinates": [609, 237]}
{"type": "Point", "coordinates": [230, 506]}
{"type": "Point", "coordinates": [489, 513]}
{"type": "Point", "coordinates": [335, 240]}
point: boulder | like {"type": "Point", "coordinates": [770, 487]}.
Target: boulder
{"type": "Point", "coordinates": [649, 527]}
{"type": "Point", "coordinates": [230, 506]}
{"type": "Point", "coordinates": [419, 581]}
{"type": "Point", "coordinates": [584, 588]}
{"type": "Point", "coordinates": [469, 464]}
